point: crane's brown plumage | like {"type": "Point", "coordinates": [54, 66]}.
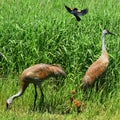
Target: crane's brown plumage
{"type": "Point", "coordinates": [96, 69]}
{"type": "Point", "coordinates": [99, 66]}
{"type": "Point", "coordinates": [75, 102]}
{"type": "Point", "coordinates": [36, 74]}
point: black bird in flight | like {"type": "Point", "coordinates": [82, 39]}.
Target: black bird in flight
{"type": "Point", "coordinates": [77, 13]}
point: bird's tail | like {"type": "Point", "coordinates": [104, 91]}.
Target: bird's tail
{"type": "Point", "coordinates": [58, 70]}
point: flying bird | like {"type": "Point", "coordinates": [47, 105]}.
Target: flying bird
{"type": "Point", "coordinates": [99, 66]}
{"type": "Point", "coordinates": [36, 74]}
{"type": "Point", "coordinates": [77, 13]}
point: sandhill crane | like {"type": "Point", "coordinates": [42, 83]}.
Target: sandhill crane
{"type": "Point", "coordinates": [75, 102]}
{"type": "Point", "coordinates": [36, 74]}
{"type": "Point", "coordinates": [77, 12]}
{"type": "Point", "coordinates": [99, 66]}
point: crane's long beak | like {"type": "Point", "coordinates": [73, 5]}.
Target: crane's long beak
{"type": "Point", "coordinates": [7, 106]}
{"type": "Point", "coordinates": [111, 33]}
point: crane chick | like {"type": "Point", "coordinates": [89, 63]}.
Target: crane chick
{"type": "Point", "coordinates": [77, 13]}
{"type": "Point", "coordinates": [99, 66]}
{"type": "Point", "coordinates": [36, 74]}
{"type": "Point", "coordinates": [76, 103]}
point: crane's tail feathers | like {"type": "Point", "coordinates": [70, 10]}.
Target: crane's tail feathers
{"type": "Point", "coordinates": [58, 70]}
{"type": "Point", "coordinates": [84, 86]}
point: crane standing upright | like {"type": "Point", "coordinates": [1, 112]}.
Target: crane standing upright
{"type": "Point", "coordinates": [99, 66]}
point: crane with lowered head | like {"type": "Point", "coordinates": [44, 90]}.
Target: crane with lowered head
{"type": "Point", "coordinates": [36, 74]}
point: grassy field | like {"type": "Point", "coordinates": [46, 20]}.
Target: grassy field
{"type": "Point", "coordinates": [42, 31]}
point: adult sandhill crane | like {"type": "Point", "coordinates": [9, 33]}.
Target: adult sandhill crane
{"type": "Point", "coordinates": [77, 13]}
{"type": "Point", "coordinates": [36, 74]}
{"type": "Point", "coordinates": [99, 66]}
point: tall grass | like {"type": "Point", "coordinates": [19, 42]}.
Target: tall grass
{"type": "Point", "coordinates": [35, 31]}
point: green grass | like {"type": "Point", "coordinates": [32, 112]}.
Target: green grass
{"type": "Point", "coordinates": [36, 31]}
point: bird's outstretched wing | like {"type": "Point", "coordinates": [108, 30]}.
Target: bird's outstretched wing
{"type": "Point", "coordinates": [82, 12]}
{"type": "Point", "coordinates": [77, 13]}
{"type": "Point", "coordinates": [68, 9]}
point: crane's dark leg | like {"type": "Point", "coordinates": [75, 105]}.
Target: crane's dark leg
{"type": "Point", "coordinates": [78, 110]}
{"type": "Point", "coordinates": [84, 86]}
{"type": "Point", "coordinates": [35, 97]}
{"type": "Point", "coordinates": [42, 95]}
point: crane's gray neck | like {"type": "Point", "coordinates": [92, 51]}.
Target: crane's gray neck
{"type": "Point", "coordinates": [14, 96]}
{"type": "Point", "coordinates": [103, 42]}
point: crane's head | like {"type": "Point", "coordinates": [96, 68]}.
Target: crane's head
{"type": "Point", "coordinates": [105, 32]}
{"type": "Point", "coordinates": [8, 102]}
{"type": "Point", "coordinates": [73, 92]}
